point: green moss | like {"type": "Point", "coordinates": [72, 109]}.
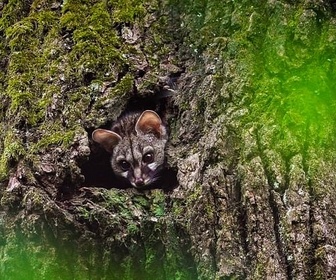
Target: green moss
{"type": "Point", "coordinates": [34, 199]}
{"type": "Point", "coordinates": [13, 150]}
{"type": "Point", "coordinates": [40, 61]}
{"type": "Point", "coordinates": [57, 138]}
{"type": "Point", "coordinates": [26, 68]}
{"type": "Point", "coordinates": [95, 42]}
{"type": "Point", "coordinates": [158, 204]}
{"type": "Point", "coordinates": [141, 201]}
{"type": "Point", "coordinates": [126, 11]}
{"type": "Point", "coordinates": [12, 12]}
{"type": "Point", "coordinates": [113, 197]}
{"type": "Point", "coordinates": [59, 60]}
{"type": "Point", "coordinates": [124, 86]}
{"type": "Point", "coordinates": [133, 229]}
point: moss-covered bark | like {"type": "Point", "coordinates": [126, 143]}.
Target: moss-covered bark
{"type": "Point", "coordinates": [251, 116]}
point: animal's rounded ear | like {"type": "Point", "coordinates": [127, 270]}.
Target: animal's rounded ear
{"type": "Point", "coordinates": [107, 138]}
{"type": "Point", "coordinates": [150, 122]}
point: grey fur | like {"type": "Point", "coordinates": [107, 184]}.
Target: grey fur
{"type": "Point", "coordinates": [140, 134]}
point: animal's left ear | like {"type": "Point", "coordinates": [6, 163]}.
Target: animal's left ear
{"type": "Point", "coordinates": [150, 122]}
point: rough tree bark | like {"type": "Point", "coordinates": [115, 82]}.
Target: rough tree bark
{"type": "Point", "coordinates": [248, 91]}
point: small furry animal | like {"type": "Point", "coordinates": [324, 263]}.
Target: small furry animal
{"type": "Point", "coordinates": [137, 143]}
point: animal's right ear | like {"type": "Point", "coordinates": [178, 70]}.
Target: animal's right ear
{"type": "Point", "coordinates": [107, 138]}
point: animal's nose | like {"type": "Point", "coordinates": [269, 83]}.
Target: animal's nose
{"type": "Point", "coordinates": [139, 182]}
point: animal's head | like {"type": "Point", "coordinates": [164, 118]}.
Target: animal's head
{"type": "Point", "coordinates": [138, 156]}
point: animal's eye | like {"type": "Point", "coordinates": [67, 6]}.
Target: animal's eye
{"type": "Point", "coordinates": [124, 165]}
{"type": "Point", "coordinates": [148, 157]}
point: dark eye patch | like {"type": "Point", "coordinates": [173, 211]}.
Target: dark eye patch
{"type": "Point", "coordinates": [124, 165]}
{"type": "Point", "coordinates": [148, 158]}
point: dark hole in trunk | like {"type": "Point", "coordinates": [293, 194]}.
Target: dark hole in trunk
{"type": "Point", "coordinates": [98, 171]}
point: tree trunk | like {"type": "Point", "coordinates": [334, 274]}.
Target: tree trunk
{"type": "Point", "coordinates": [247, 90]}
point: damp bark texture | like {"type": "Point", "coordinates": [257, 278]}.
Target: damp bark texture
{"type": "Point", "coordinates": [247, 89]}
